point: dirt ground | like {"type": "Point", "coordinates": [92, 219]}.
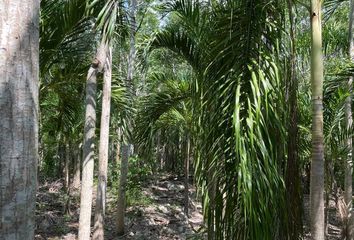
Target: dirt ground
{"type": "Point", "coordinates": [334, 227]}
{"type": "Point", "coordinates": [162, 218]}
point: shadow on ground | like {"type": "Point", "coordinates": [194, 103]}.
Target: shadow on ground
{"type": "Point", "coordinates": [161, 219]}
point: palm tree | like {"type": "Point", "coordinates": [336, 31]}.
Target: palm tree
{"type": "Point", "coordinates": [167, 109]}
{"type": "Point", "coordinates": [317, 164]}
{"type": "Point", "coordinates": [19, 69]}
{"type": "Point", "coordinates": [292, 174]}
{"type": "Point", "coordinates": [234, 98]}
{"type": "Point", "coordinates": [103, 149]}
{"type": "Point", "coordinates": [109, 17]}
{"type": "Point", "coordinates": [126, 145]}
{"type": "Point", "coordinates": [348, 185]}
{"type": "Point", "coordinates": [89, 143]}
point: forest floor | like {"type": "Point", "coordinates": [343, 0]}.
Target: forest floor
{"type": "Point", "coordinates": [334, 228]}
{"type": "Point", "coordinates": [159, 216]}
{"type": "Point", "coordinates": [155, 213]}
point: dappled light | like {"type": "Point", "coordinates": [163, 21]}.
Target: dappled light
{"type": "Point", "coordinates": [176, 119]}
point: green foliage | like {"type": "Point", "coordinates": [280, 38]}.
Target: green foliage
{"type": "Point", "coordinates": [136, 197]}
{"type": "Point", "coordinates": [236, 99]}
{"type": "Point", "coordinates": [215, 74]}
{"type": "Point", "coordinates": [139, 173]}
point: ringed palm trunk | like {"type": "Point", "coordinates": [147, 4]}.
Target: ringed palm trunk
{"type": "Point", "coordinates": [103, 151]}
{"type": "Point", "coordinates": [19, 74]}
{"type": "Point", "coordinates": [349, 234]}
{"type": "Point", "coordinates": [89, 144]}
{"type": "Point", "coordinates": [317, 164]}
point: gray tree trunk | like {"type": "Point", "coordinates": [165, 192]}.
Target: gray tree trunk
{"type": "Point", "coordinates": [317, 164]}
{"type": "Point", "coordinates": [119, 139]}
{"type": "Point", "coordinates": [348, 198]}
{"type": "Point", "coordinates": [103, 151]}
{"type": "Point", "coordinates": [132, 54]}
{"type": "Point", "coordinates": [125, 146]}
{"type": "Point", "coordinates": [66, 165]}
{"type": "Point", "coordinates": [77, 172]}
{"type": "Point", "coordinates": [19, 75]}
{"type": "Point", "coordinates": [89, 144]}
{"type": "Point", "coordinates": [186, 177]}
{"type": "Point", "coordinates": [122, 189]}
{"type": "Point", "coordinates": [158, 149]}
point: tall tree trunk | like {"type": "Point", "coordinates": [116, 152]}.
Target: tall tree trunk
{"type": "Point", "coordinates": [19, 69]}
{"type": "Point", "coordinates": [122, 189]}
{"type": "Point", "coordinates": [132, 54]}
{"type": "Point", "coordinates": [317, 164]}
{"type": "Point", "coordinates": [212, 197]}
{"type": "Point", "coordinates": [292, 179]}
{"type": "Point", "coordinates": [67, 156]}
{"type": "Point", "coordinates": [186, 177]}
{"type": "Point", "coordinates": [163, 157]}
{"type": "Point", "coordinates": [348, 185]}
{"type": "Point", "coordinates": [77, 172]}
{"type": "Point", "coordinates": [103, 151]}
{"type": "Point", "coordinates": [66, 165]}
{"type": "Point", "coordinates": [158, 150]}
{"type": "Point", "coordinates": [126, 146]}
{"type": "Point", "coordinates": [119, 140]}
{"type": "Point", "coordinates": [89, 144]}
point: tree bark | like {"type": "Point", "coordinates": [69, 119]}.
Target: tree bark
{"type": "Point", "coordinates": [98, 233]}
{"type": "Point", "coordinates": [212, 196]}
{"type": "Point", "coordinates": [89, 144]}
{"type": "Point", "coordinates": [122, 189]}
{"type": "Point", "coordinates": [186, 177]}
{"type": "Point", "coordinates": [126, 146]}
{"type": "Point", "coordinates": [77, 172]}
{"type": "Point", "coordinates": [158, 150]}
{"type": "Point", "coordinates": [292, 175]}
{"type": "Point", "coordinates": [19, 75]}
{"type": "Point", "coordinates": [119, 136]}
{"type": "Point", "coordinates": [132, 54]}
{"type": "Point", "coordinates": [66, 166]}
{"type": "Point", "coordinates": [348, 186]}
{"type": "Point", "coordinates": [317, 164]}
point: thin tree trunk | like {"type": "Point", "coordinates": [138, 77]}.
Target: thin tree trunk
{"type": "Point", "coordinates": [212, 197]}
{"type": "Point", "coordinates": [67, 156]}
{"type": "Point", "coordinates": [186, 178]}
{"type": "Point", "coordinates": [122, 189]}
{"type": "Point", "coordinates": [77, 172]}
{"type": "Point", "coordinates": [317, 164]}
{"type": "Point", "coordinates": [119, 136]}
{"type": "Point", "coordinates": [66, 166]}
{"type": "Point", "coordinates": [158, 149]}
{"type": "Point", "coordinates": [132, 54]}
{"type": "Point", "coordinates": [348, 198]}
{"type": "Point", "coordinates": [61, 154]}
{"type": "Point", "coordinates": [19, 69]}
{"type": "Point", "coordinates": [89, 144]}
{"type": "Point", "coordinates": [125, 146]}
{"type": "Point", "coordinates": [98, 233]}
{"type": "Point", "coordinates": [292, 179]}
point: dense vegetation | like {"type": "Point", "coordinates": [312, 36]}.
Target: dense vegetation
{"type": "Point", "coordinates": [252, 98]}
